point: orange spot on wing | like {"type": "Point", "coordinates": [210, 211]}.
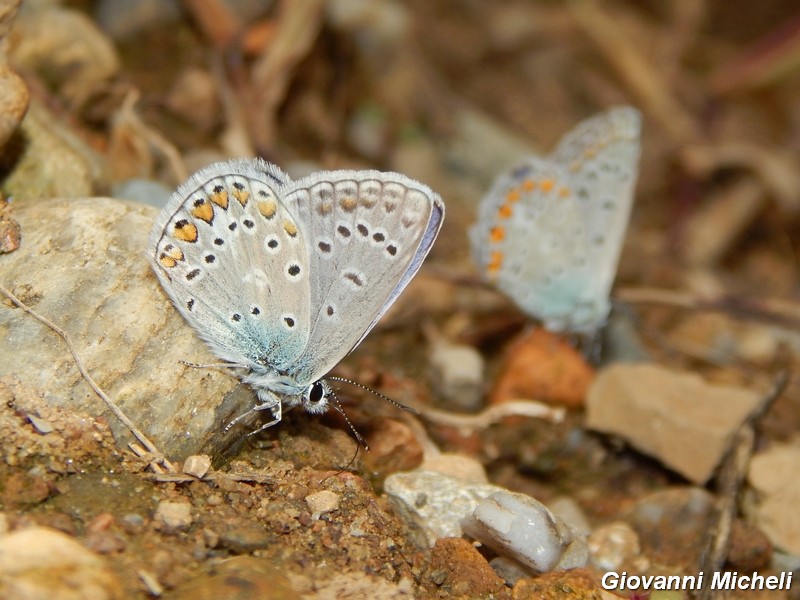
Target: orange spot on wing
{"type": "Point", "coordinates": [528, 185]}
{"type": "Point", "coordinates": [348, 204]}
{"type": "Point", "coordinates": [241, 195]}
{"type": "Point", "coordinates": [564, 192]}
{"type": "Point", "coordinates": [504, 211]}
{"type": "Point", "coordinates": [204, 211]}
{"type": "Point", "coordinates": [220, 199]}
{"type": "Point", "coordinates": [267, 208]}
{"type": "Point", "coordinates": [497, 234]}
{"type": "Point", "coordinates": [547, 185]}
{"type": "Point", "coordinates": [185, 231]}
{"type": "Point", "coordinates": [290, 228]}
{"type": "Point", "coordinates": [512, 195]}
{"type": "Point", "coordinates": [495, 263]}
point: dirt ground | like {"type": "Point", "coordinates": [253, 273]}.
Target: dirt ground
{"type": "Point", "coordinates": [448, 93]}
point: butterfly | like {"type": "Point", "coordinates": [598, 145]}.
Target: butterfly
{"type": "Point", "coordinates": [550, 231]}
{"type": "Point", "coordinates": [282, 279]}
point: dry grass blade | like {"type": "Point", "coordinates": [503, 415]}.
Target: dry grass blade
{"type": "Point", "coordinates": [151, 447]}
{"type": "Point", "coordinates": [639, 75]}
{"type": "Point", "coordinates": [299, 22]}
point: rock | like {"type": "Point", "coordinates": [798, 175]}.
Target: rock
{"type": "Point", "coordinates": [459, 466]}
{"type": "Point", "coordinates": [750, 549]}
{"type": "Point", "coordinates": [435, 502]}
{"type": "Point", "coordinates": [770, 470]}
{"type": "Point", "coordinates": [615, 547]}
{"type": "Point", "coordinates": [458, 374]}
{"type": "Point", "coordinates": [52, 163]}
{"type": "Point", "coordinates": [460, 571]}
{"type": "Point", "coordinates": [520, 527]}
{"type": "Point", "coordinates": [540, 365]}
{"type": "Point", "coordinates": [575, 584]}
{"type": "Point", "coordinates": [777, 516]}
{"type": "Point", "coordinates": [673, 416]}
{"type": "Point", "coordinates": [40, 563]}
{"type": "Point", "coordinates": [65, 48]}
{"type": "Point", "coordinates": [392, 447]}
{"type": "Point", "coordinates": [245, 539]}
{"type": "Point", "coordinates": [510, 570]}
{"type": "Point", "coordinates": [173, 516]}
{"type": "Point", "coordinates": [322, 502]}
{"type": "Point", "coordinates": [14, 94]}
{"type": "Point", "coordinates": [569, 511]}
{"type": "Point", "coordinates": [773, 474]}
{"type": "Point", "coordinates": [197, 465]}
{"type": "Point", "coordinates": [82, 264]}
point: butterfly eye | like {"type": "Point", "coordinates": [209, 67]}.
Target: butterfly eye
{"type": "Point", "coordinates": [317, 393]}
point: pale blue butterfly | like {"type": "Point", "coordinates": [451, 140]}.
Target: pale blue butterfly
{"type": "Point", "coordinates": [550, 231]}
{"type": "Point", "coordinates": [283, 278]}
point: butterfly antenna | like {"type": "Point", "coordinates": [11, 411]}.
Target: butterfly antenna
{"type": "Point", "coordinates": [413, 411]}
{"type": "Point", "coordinates": [338, 408]}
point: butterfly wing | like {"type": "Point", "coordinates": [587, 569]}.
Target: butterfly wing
{"type": "Point", "coordinates": [233, 261]}
{"type": "Point", "coordinates": [529, 241]}
{"type": "Point", "coordinates": [367, 235]}
{"type": "Point", "coordinates": [601, 156]}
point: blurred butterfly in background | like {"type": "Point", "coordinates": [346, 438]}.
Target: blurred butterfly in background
{"type": "Point", "coordinates": [550, 231]}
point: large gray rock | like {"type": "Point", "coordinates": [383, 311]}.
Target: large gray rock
{"type": "Point", "coordinates": [82, 264]}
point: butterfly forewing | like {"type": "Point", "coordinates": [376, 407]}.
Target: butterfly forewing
{"type": "Point", "coordinates": [367, 234]}
{"type": "Point", "coordinates": [233, 261]}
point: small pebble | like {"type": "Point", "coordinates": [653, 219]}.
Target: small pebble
{"type": "Point", "coordinates": [510, 570]}
{"type": "Point", "coordinates": [517, 526]}
{"type": "Point", "coordinates": [174, 516]}
{"type": "Point", "coordinates": [42, 426]}
{"type": "Point", "coordinates": [322, 502]}
{"type": "Point", "coordinates": [437, 503]}
{"type": "Point", "coordinates": [615, 547]}
{"type": "Point", "coordinates": [458, 373]}
{"type": "Point", "coordinates": [197, 465]}
{"type": "Point", "coordinates": [243, 540]}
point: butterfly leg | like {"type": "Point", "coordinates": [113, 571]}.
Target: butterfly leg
{"type": "Point", "coordinates": [268, 401]}
{"type": "Point", "coordinates": [271, 402]}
